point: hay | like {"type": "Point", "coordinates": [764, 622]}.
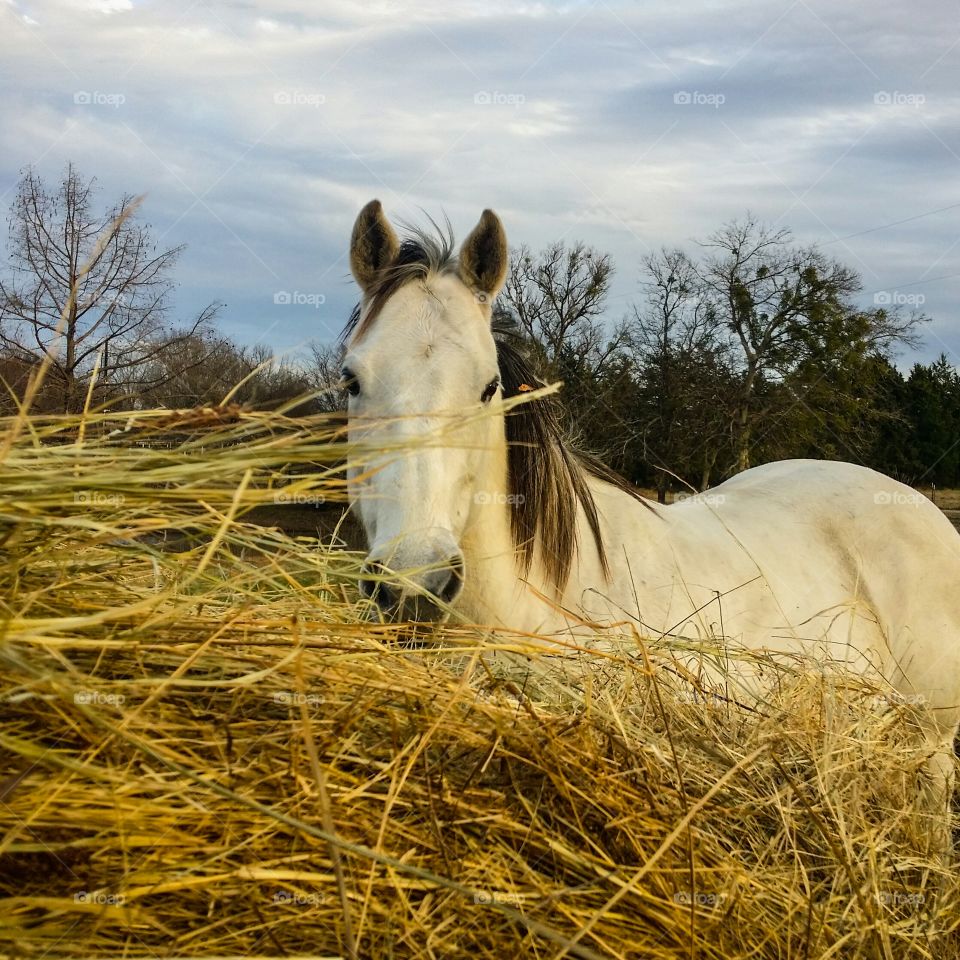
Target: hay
{"type": "Point", "coordinates": [215, 753]}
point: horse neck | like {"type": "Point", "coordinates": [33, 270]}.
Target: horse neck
{"type": "Point", "coordinates": [498, 591]}
{"type": "Point", "coordinates": [493, 585]}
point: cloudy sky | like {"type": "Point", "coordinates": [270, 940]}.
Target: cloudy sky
{"type": "Point", "coordinates": [258, 128]}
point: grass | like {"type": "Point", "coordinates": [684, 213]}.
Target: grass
{"type": "Point", "coordinates": [944, 499]}
{"type": "Point", "coordinates": [217, 753]}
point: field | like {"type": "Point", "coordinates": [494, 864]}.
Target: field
{"type": "Point", "coordinates": [212, 750]}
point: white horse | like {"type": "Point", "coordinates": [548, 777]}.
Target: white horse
{"type": "Point", "coordinates": [502, 522]}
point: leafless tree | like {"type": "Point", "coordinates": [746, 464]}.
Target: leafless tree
{"type": "Point", "coordinates": [201, 370]}
{"type": "Point", "coordinates": [324, 373]}
{"type": "Point", "coordinates": [783, 305]}
{"type": "Point", "coordinates": [88, 288]}
{"type": "Point", "coordinates": [675, 315]}
{"type": "Point", "coordinates": [196, 370]}
{"type": "Point", "coordinates": [558, 298]}
{"type": "Point", "coordinates": [680, 350]}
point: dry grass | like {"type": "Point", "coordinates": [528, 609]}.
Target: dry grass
{"type": "Point", "coordinates": [944, 499]}
{"type": "Point", "coordinates": [213, 754]}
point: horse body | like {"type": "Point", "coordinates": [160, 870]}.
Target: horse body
{"type": "Point", "coordinates": [473, 508]}
{"type": "Point", "coordinates": [795, 557]}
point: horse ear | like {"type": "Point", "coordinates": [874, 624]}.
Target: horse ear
{"type": "Point", "coordinates": [373, 244]}
{"type": "Point", "coordinates": [484, 255]}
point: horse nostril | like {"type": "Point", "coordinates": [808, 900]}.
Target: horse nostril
{"type": "Point", "coordinates": [385, 597]}
{"type": "Point", "coordinates": [454, 582]}
{"type": "Point", "coordinates": [376, 590]}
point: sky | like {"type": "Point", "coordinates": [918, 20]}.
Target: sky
{"type": "Point", "coordinates": [257, 129]}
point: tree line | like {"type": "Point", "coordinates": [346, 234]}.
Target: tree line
{"type": "Point", "coordinates": [89, 289]}
{"type": "Point", "coordinates": [749, 348]}
{"type": "Point", "coordinates": [752, 348]}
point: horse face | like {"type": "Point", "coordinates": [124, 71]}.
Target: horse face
{"type": "Point", "coordinates": [420, 378]}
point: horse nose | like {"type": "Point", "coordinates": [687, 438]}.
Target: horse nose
{"type": "Point", "coordinates": [446, 582]}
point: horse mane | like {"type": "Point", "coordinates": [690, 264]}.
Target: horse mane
{"type": "Point", "coordinates": [546, 475]}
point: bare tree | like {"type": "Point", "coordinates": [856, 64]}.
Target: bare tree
{"type": "Point", "coordinates": [558, 298]}
{"type": "Point", "coordinates": [324, 373]}
{"type": "Point", "coordinates": [682, 358]}
{"type": "Point", "coordinates": [675, 316]}
{"type": "Point", "coordinates": [274, 382]}
{"type": "Point", "coordinates": [201, 370]}
{"type": "Point", "coordinates": [88, 288]}
{"type": "Point", "coordinates": [196, 370]}
{"type": "Point", "coordinates": [784, 306]}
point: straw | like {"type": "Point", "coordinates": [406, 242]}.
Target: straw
{"type": "Point", "coordinates": [220, 751]}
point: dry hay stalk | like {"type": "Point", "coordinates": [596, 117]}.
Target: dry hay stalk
{"type": "Point", "coordinates": [188, 736]}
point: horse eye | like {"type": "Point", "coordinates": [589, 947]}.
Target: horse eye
{"type": "Point", "coordinates": [489, 390]}
{"type": "Point", "coordinates": [349, 382]}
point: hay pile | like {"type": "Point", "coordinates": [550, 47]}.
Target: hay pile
{"type": "Point", "coordinates": [210, 753]}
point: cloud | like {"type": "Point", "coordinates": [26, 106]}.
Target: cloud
{"type": "Point", "coordinates": [258, 129]}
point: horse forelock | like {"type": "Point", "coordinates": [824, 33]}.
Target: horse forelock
{"type": "Point", "coordinates": [422, 253]}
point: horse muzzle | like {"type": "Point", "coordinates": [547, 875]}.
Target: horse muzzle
{"type": "Point", "coordinates": [415, 584]}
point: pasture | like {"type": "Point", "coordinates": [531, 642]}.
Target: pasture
{"type": "Point", "coordinates": [217, 751]}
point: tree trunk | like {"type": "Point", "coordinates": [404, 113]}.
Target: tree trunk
{"type": "Point", "coordinates": [709, 459]}
{"type": "Point", "coordinates": [70, 353]}
{"type": "Point", "coordinates": [743, 448]}
{"type": "Point", "coordinates": [744, 428]}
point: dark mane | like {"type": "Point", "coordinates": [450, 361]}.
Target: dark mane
{"type": "Point", "coordinates": [547, 477]}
